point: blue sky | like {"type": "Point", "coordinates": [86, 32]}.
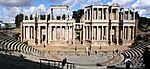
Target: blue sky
{"type": "Point", "coordinates": [10, 8]}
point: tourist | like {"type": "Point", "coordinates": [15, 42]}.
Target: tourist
{"type": "Point", "coordinates": [117, 51]}
{"type": "Point", "coordinates": [75, 49]}
{"type": "Point", "coordinates": [86, 49]}
{"type": "Point", "coordinates": [128, 62]}
{"type": "Point", "coordinates": [100, 46]}
{"type": "Point", "coordinates": [64, 62]}
{"type": "Point", "coordinates": [90, 47]}
{"type": "Point", "coordinates": [146, 56]}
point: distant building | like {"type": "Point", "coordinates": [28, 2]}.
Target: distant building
{"type": "Point", "coordinates": [10, 23]}
{"type": "Point", "coordinates": [100, 25]}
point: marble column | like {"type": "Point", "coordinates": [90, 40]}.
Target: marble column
{"type": "Point", "coordinates": [88, 15]}
{"type": "Point", "coordinates": [133, 14]}
{"type": "Point", "coordinates": [46, 33]}
{"type": "Point", "coordinates": [51, 15]}
{"type": "Point", "coordinates": [97, 15]}
{"type": "Point", "coordinates": [102, 33]}
{"type": "Point", "coordinates": [34, 33]}
{"type": "Point", "coordinates": [117, 35]}
{"type": "Point", "coordinates": [83, 34]}
{"type": "Point", "coordinates": [123, 34]}
{"type": "Point", "coordinates": [111, 14]}
{"type": "Point", "coordinates": [45, 16]}
{"type": "Point", "coordinates": [56, 35]}
{"type": "Point", "coordinates": [27, 32]}
{"type": "Point", "coordinates": [102, 13]}
{"type": "Point", "coordinates": [117, 14]}
{"type": "Point", "coordinates": [69, 33]}
{"type": "Point", "coordinates": [88, 33]}
{"type": "Point", "coordinates": [92, 33]}
{"type": "Point", "coordinates": [61, 34]}
{"type": "Point", "coordinates": [106, 32]}
{"type": "Point", "coordinates": [133, 33]}
{"type": "Point", "coordinates": [24, 32]}
{"type": "Point", "coordinates": [111, 36]}
{"type": "Point", "coordinates": [92, 13]}
{"type": "Point", "coordinates": [129, 33]}
{"type": "Point", "coordinates": [74, 34]}
{"type": "Point", "coordinates": [65, 33]}
{"type": "Point", "coordinates": [97, 33]}
{"type": "Point", "coordinates": [107, 14]}
{"type": "Point", "coordinates": [128, 15]}
{"type": "Point", "coordinates": [49, 35]}
{"type": "Point", "coordinates": [39, 37]}
{"type": "Point", "coordinates": [24, 17]}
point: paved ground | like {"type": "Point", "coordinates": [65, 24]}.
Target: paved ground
{"type": "Point", "coordinates": [82, 48]}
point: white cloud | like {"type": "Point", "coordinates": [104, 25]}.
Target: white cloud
{"type": "Point", "coordinates": [124, 3]}
{"type": "Point", "coordinates": [10, 8]}
{"type": "Point", "coordinates": [15, 3]}
{"type": "Point", "coordinates": [41, 9]}
{"type": "Point", "coordinates": [32, 10]}
{"type": "Point", "coordinates": [81, 3]}
{"type": "Point", "coordinates": [9, 13]}
{"type": "Point", "coordinates": [143, 7]}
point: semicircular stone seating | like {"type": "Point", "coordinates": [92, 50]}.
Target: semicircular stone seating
{"type": "Point", "coordinates": [9, 43]}
{"type": "Point", "coordinates": [135, 54]}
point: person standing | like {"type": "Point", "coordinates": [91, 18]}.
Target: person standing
{"type": "Point", "coordinates": [75, 49]}
{"type": "Point", "coordinates": [146, 56]}
{"type": "Point", "coordinates": [64, 62]}
{"type": "Point", "coordinates": [128, 62]}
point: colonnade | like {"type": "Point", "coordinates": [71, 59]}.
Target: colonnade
{"type": "Point", "coordinates": [102, 33]}
{"type": "Point", "coordinates": [96, 32]}
{"type": "Point", "coordinates": [96, 13]}
{"type": "Point", "coordinates": [48, 34]}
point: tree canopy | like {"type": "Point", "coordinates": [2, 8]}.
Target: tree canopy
{"type": "Point", "coordinates": [78, 14]}
{"type": "Point", "coordinates": [144, 24]}
{"type": "Point", "coordinates": [18, 19]}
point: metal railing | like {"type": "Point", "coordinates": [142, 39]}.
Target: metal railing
{"type": "Point", "coordinates": [50, 64]}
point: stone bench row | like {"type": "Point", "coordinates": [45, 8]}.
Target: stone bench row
{"type": "Point", "coordinates": [135, 54]}
{"type": "Point", "coordinates": [8, 44]}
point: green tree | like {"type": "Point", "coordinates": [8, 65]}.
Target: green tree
{"type": "Point", "coordinates": [18, 19]}
{"type": "Point", "coordinates": [42, 17]}
{"type": "Point", "coordinates": [7, 25]}
{"type": "Point", "coordinates": [31, 17]}
{"type": "Point", "coordinates": [58, 17]}
{"type": "Point", "coordinates": [78, 14]}
{"type": "Point", "coordinates": [144, 23]}
{"type": "Point", "coordinates": [48, 17]}
{"type": "Point", "coordinates": [63, 17]}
